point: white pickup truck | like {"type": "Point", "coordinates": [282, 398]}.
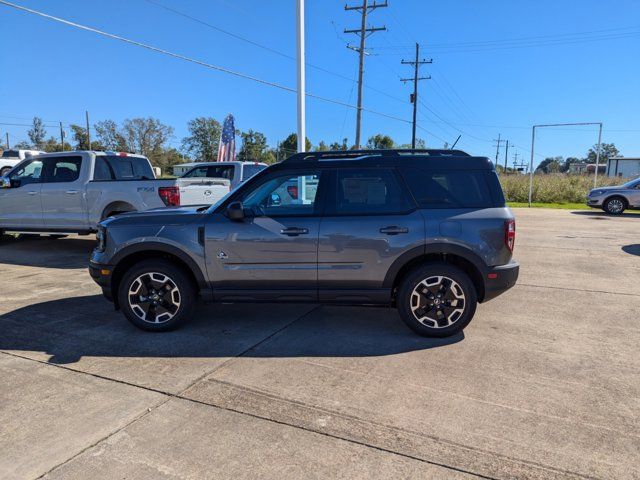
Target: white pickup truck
{"type": "Point", "coordinates": [10, 158]}
{"type": "Point", "coordinates": [236, 172]}
{"type": "Point", "coordinates": [70, 192]}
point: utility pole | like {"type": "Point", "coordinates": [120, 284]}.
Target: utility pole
{"type": "Point", "coordinates": [364, 32]}
{"type": "Point", "coordinates": [498, 141]}
{"type": "Point", "coordinates": [88, 131]}
{"type": "Point", "coordinates": [301, 78]}
{"type": "Point", "coordinates": [8, 141]}
{"type": "Point", "coordinates": [61, 138]}
{"type": "Point", "coordinates": [414, 97]}
{"type": "Point", "coordinates": [506, 152]}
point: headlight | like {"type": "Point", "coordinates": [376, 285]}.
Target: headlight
{"type": "Point", "coordinates": [101, 236]}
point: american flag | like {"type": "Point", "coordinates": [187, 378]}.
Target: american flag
{"type": "Point", "coordinates": [227, 145]}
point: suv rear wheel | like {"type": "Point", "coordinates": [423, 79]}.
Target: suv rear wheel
{"type": "Point", "coordinates": [156, 295]}
{"type": "Point", "coordinates": [615, 205]}
{"type": "Point", "coordinates": [437, 300]}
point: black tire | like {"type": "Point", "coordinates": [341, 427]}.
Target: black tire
{"type": "Point", "coordinates": [615, 205]}
{"type": "Point", "coordinates": [4, 171]}
{"type": "Point", "coordinates": [150, 288]}
{"type": "Point", "coordinates": [455, 286]}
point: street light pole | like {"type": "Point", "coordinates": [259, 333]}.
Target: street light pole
{"type": "Point", "coordinates": [302, 136]}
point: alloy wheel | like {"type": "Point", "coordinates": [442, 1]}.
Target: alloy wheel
{"type": "Point", "coordinates": [437, 302]}
{"type": "Point", "coordinates": [154, 297]}
{"type": "Point", "coordinates": [615, 205]}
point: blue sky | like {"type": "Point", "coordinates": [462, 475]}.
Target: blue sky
{"type": "Point", "coordinates": [576, 61]}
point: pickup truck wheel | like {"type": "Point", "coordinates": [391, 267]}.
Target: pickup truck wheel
{"type": "Point", "coordinates": [437, 300]}
{"type": "Point", "coordinates": [156, 296]}
{"type": "Point", "coordinates": [4, 171]}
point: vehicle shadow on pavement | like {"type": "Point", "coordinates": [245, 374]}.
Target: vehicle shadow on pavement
{"type": "Point", "coordinates": [603, 215]}
{"type": "Point", "coordinates": [72, 328]}
{"type": "Point", "coordinates": [633, 249]}
{"type": "Point", "coordinates": [34, 251]}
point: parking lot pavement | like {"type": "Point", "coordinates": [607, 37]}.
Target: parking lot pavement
{"type": "Point", "coordinates": [544, 383]}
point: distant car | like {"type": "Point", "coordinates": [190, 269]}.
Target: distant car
{"type": "Point", "coordinates": [235, 172]}
{"type": "Point", "coordinates": [10, 158]}
{"type": "Point", "coordinates": [616, 200]}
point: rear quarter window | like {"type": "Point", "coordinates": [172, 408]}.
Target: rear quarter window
{"type": "Point", "coordinates": [249, 171]}
{"type": "Point", "coordinates": [130, 168]}
{"type": "Point", "coordinates": [450, 189]}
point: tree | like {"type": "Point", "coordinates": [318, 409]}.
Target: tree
{"type": "Point", "coordinates": [380, 142]}
{"type": "Point", "coordinates": [146, 136]}
{"type": "Point", "coordinates": [289, 146]}
{"type": "Point", "coordinates": [322, 147]}
{"type": "Point", "coordinates": [202, 143]}
{"type": "Point", "coordinates": [110, 136]}
{"type": "Point", "coordinates": [52, 145]}
{"type": "Point", "coordinates": [254, 146]}
{"type": "Point", "coordinates": [340, 146]}
{"type": "Point", "coordinates": [607, 150]}
{"type": "Point", "coordinates": [37, 133]}
{"type": "Point", "coordinates": [168, 158]}
{"type": "Point", "coordinates": [550, 165]}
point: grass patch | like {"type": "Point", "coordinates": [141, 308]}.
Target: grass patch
{"type": "Point", "coordinates": [565, 206]}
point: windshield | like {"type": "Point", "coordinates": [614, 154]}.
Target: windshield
{"type": "Point", "coordinates": [632, 184]}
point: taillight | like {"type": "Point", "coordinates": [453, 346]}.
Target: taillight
{"type": "Point", "coordinates": [510, 234]}
{"type": "Point", "coordinates": [170, 196]}
{"type": "Point", "coordinates": [293, 191]}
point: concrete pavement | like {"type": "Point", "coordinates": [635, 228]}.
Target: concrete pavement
{"type": "Point", "coordinates": [544, 383]}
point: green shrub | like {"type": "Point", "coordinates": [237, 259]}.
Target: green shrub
{"type": "Point", "coordinates": [552, 188]}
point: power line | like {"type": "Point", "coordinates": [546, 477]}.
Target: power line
{"type": "Point", "coordinates": [192, 60]}
{"type": "Point", "coordinates": [363, 32]}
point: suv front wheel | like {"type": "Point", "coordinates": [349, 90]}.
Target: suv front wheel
{"type": "Point", "coordinates": [156, 295]}
{"type": "Point", "coordinates": [437, 300]}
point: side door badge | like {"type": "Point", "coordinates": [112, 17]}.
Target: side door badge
{"type": "Point", "coordinates": [221, 255]}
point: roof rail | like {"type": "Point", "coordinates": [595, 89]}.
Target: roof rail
{"type": "Point", "coordinates": [352, 154]}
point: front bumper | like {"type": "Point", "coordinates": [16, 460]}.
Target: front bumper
{"type": "Point", "coordinates": [594, 201]}
{"type": "Point", "coordinates": [101, 274]}
{"type": "Point", "coordinates": [500, 279]}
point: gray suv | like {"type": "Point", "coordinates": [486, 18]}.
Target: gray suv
{"type": "Point", "coordinates": [616, 200]}
{"type": "Point", "coordinates": [426, 231]}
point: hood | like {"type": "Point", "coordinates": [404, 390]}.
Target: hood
{"type": "Point", "coordinates": [158, 216]}
{"type": "Point", "coordinates": [604, 189]}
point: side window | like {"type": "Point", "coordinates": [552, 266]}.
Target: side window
{"type": "Point", "coordinates": [102, 170]}
{"type": "Point", "coordinates": [221, 172]}
{"type": "Point", "coordinates": [141, 169]}
{"type": "Point", "coordinates": [453, 189]}
{"type": "Point", "coordinates": [369, 191]}
{"type": "Point", "coordinates": [62, 169]}
{"type": "Point", "coordinates": [198, 172]}
{"type": "Point", "coordinates": [284, 195]}
{"type": "Point", "coordinates": [26, 173]}
{"type": "Point", "coordinates": [249, 171]}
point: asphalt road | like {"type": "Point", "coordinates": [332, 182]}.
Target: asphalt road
{"type": "Point", "coordinates": [544, 383]}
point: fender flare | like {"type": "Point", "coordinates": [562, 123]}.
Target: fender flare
{"type": "Point", "coordinates": [164, 248]}
{"type": "Point", "coordinates": [432, 248]}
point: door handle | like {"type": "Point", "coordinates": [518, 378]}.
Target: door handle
{"type": "Point", "coordinates": [71, 192]}
{"type": "Point", "coordinates": [32, 192]}
{"type": "Point", "coordinates": [393, 230]}
{"type": "Point", "coordinates": [294, 231]}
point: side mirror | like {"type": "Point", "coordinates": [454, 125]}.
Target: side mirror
{"type": "Point", "coordinates": [5, 182]}
{"type": "Point", "coordinates": [235, 211]}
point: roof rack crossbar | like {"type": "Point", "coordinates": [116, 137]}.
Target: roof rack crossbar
{"type": "Point", "coordinates": [346, 154]}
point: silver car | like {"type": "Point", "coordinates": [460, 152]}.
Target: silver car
{"type": "Point", "coordinates": [616, 200]}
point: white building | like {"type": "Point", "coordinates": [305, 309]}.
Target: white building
{"type": "Point", "coordinates": [182, 168]}
{"type": "Point", "coordinates": [625, 167]}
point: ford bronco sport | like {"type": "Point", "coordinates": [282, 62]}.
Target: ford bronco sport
{"type": "Point", "coordinates": [426, 231]}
